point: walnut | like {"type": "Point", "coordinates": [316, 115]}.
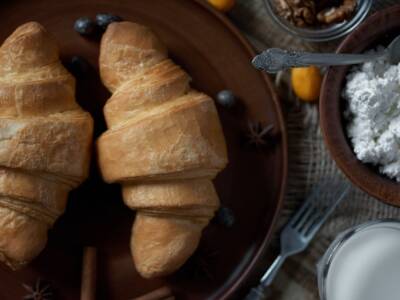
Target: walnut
{"type": "Point", "coordinates": [337, 14]}
{"type": "Point", "coordinates": [303, 13]}
{"type": "Point", "coordinates": [284, 10]}
{"type": "Point", "coordinates": [298, 12]}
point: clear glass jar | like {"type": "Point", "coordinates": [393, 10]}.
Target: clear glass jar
{"type": "Point", "coordinates": [325, 263]}
{"type": "Point", "coordinates": [332, 32]}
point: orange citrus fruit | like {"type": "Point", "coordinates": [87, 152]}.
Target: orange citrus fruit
{"type": "Point", "coordinates": [222, 5]}
{"type": "Point", "coordinates": [306, 83]}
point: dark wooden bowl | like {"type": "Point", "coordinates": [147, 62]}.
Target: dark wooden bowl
{"type": "Point", "coordinates": [217, 57]}
{"type": "Point", "coordinates": [378, 29]}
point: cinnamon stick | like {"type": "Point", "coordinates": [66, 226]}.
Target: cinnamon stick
{"type": "Point", "coordinates": [89, 269]}
{"type": "Point", "coordinates": [158, 294]}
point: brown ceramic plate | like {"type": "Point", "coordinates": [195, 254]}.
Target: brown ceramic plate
{"type": "Point", "coordinates": [379, 29]}
{"type": "Point", "coordinates": [217, 57]}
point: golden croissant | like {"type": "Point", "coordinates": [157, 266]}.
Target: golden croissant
{"type": "Point", "coordinates": [45, 140]}
{"type": "Point", "coordinates": [164, 145]}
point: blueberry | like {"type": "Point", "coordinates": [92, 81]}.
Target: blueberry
{"type": "Point", "coordinates": [226, 98]}
{"type": "Point", "coordinates": [84, 26]}
{"type": "Point", "coordinates": [225, 217]}
{"type": "Point", "coordinates": [78, 66]}
{"type": "Point", "coordinates": [105, 19]}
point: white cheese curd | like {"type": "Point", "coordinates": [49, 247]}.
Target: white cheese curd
{"type": "Point", "coordinates": [373, 111]}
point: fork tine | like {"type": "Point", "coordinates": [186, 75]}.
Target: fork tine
{"type": "Point", "coordinates": [313, 218]}
{"type": "Point", "coordinates": [299, 214]}
{"type": "Point", "coordinates": [319, 209]}
{"type": "Point", "coordinates": [305, 206]}
{"type": "Point", "coordinates": [341, 193]}
{"type": "Point", "coordinates": [305, 219]}
{"type": "Point", "coordinates": [307, 233]}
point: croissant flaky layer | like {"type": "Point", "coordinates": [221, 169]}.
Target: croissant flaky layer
{"type": "Point", "coordinates": [45, 140]}
{"type": "Point", "coordinates": [164, 145]}
{"type": "Point", "coordinates": [177, 141]}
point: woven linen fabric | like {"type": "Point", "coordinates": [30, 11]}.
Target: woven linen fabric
{"type": "Point", "coordinates": [309, 160]}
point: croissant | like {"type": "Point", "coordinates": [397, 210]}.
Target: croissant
{"type": "Point", "coordinates": [164, 145]}
{"type": "Point", "coordinates": [45, 140]}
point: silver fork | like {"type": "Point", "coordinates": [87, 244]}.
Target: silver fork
{"type": "Point", "coordinates": [302, 227]}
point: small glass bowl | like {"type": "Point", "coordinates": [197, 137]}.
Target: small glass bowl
{"type": "Point", "coordinates": [332, 32]}
{"type": "Point", "coordinates": [325, 263]}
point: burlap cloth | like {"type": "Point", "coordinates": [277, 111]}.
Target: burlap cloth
{"type": "Point", "coordinates": [309, 160]}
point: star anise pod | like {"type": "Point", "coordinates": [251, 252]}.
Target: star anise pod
{"type": "Point", "coordinates": [41, 290]}
{"type": "Point", "coordinates": [258, 134]}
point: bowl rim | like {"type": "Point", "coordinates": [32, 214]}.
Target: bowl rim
{"type": "Point", "coordinates": [324, 264]}
{"type": "Point", "coordinates": [373, 183]}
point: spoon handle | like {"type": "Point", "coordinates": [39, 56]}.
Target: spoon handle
{"type": "Point", "coordinates": [274, 59]}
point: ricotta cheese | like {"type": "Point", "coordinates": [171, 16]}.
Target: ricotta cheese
{"type": "Point", "coordinates": [372, 92]}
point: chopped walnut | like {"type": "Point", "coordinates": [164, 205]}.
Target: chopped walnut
{"type": "Point", "coordinates": [303, 13]}
{"type": "Point", "coordinates": [298, 12]}
{"type": "Point", "coordinates": [337, 14]}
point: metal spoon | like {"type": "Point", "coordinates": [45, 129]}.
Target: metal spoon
{"type": "Point", "coordinates": [274, 60]}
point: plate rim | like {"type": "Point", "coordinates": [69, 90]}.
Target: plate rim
{"type": "Point", "coordinates": [244, 276]}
